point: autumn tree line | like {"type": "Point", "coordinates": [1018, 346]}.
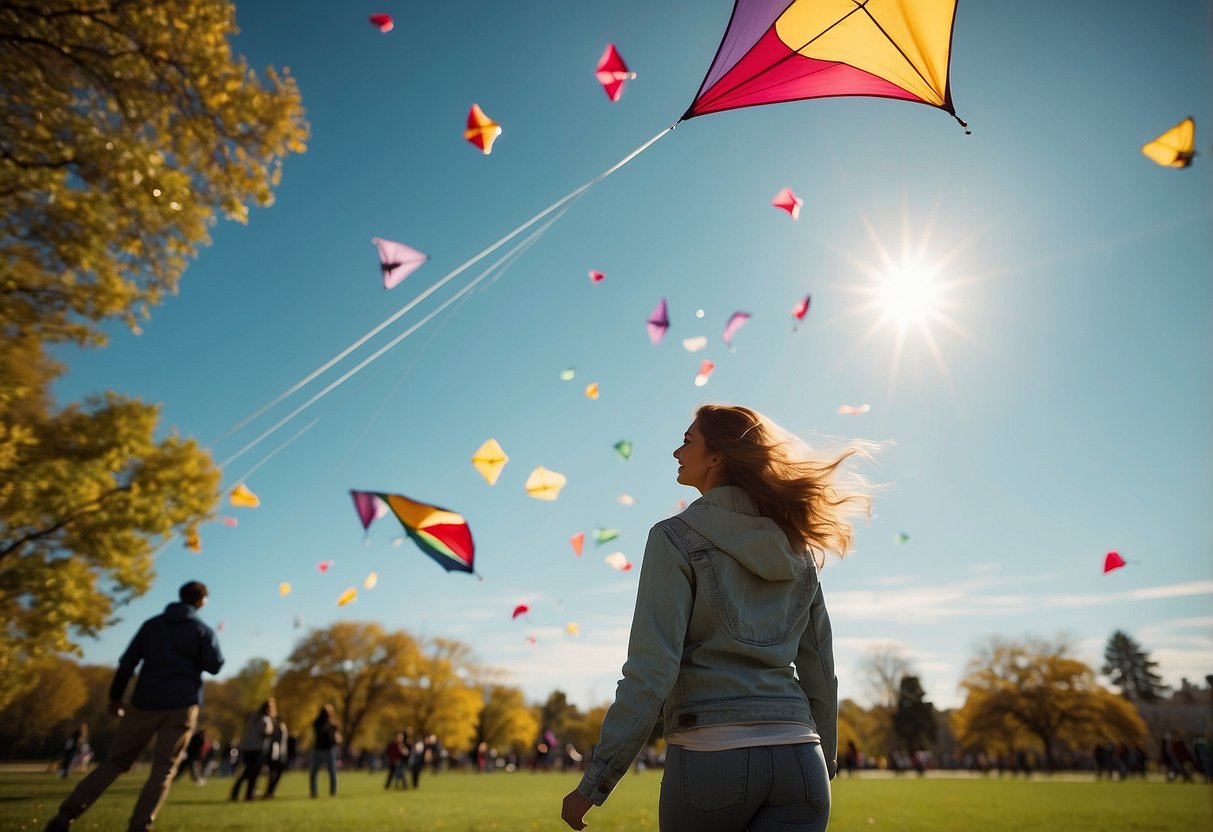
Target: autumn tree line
{"type": "Point", "coordinates": [1030, 695]}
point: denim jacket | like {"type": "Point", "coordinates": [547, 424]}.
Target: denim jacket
{"type": "Point", "coordinates": [724, 608]}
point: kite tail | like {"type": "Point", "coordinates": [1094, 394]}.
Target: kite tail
{"type": "Point", "coordinates": [963, 124]}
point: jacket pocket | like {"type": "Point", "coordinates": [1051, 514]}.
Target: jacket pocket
{"type": "Point", "coordinates": [714, 781]}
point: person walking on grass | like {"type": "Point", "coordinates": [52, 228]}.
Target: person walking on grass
{"type": "Point", "coordinates": [324, 749]}
{"type": "Point", "coordinates": [729, 600]}
{"type": "Point", "coordinates": [253, 747]}
{"type": "Point", "coordinates": [277, 758]}
{"type": "Point", "coordinates": [174, 649]}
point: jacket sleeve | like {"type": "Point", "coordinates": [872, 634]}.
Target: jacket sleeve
{"type": "Point", "coordinates": [210, 659]}
{"type": "Point", "coordinates": [127, 664]}
{"type": "Point", "coordinates": [815, 667]}
{"type": "Point", "coordinates": [663, 608]}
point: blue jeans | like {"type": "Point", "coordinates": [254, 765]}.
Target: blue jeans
{"type": "Point", "coordinates": [328, 758]}
{"type": "Point", "coordinates": [764, 788]}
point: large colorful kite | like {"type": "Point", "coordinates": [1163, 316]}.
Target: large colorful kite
{"type": "Point", "coordinates": [440, 533]}
{"type": "Point", "coordinates": [791, 50]}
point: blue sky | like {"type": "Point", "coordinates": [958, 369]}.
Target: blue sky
{"type": "Point", "coordinates": [1064, 411]}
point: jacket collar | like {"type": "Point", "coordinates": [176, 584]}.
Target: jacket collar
{"type": "Point", "coordinates": [731, 497]}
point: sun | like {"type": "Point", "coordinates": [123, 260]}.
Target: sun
{"type": "Point", "coordinates": [908, 294]}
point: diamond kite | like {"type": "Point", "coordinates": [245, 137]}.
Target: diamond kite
{"type": "Point", "coordinates": [397, 261]}
{"type": "Point", "coordinates": [1112, 561]}
{"type": "Point", "coordinates": [489, 460]}
{"type": "Point", "coordinates": [591, 391]}
{"type": "Point", "coordinates": [242, 497]}
{"type": "Point", "coordinates": [775, 50]}
{"type": "Point", "coordinates": [482, 131]}
{"type": "Point", "coordinates": [612, 72]}
{"type": "Point", "coordinates": [789, 202]}
{"type": "Point", "coordinates": [624, 448]}
{"type": "Point", "coordinates": [658, 322]}
{"type": "Point", "coordinates": [736, 321]}
{"type": "Point", "coordinates": [577, 541]}
{"type": "Point", "coordinates": [383, 22]}
{"type": "Point", "coordinates": [440, 533]}
{"type": "Point", "coordinates": [369, 507]}
{"type": "Point", "coordinates": [1174, 148]}
{"type": "Point", "coordinates": [543, 484]}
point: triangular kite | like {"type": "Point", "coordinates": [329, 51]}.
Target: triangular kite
{"type": "Point", "coordinates": [1174, 148]}
{"type": "Point", "coordinates": [397, 260]}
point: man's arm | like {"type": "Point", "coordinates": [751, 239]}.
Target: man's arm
{"type": "Point", "coordinates": [210, 658]}
{"type": "Point", "coordinates": [126, 667]}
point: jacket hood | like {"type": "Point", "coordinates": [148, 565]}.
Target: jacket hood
{"type": "Point", "coordinates": [179, 611]}
{"type": "Point", "coordinates": [728, 517]}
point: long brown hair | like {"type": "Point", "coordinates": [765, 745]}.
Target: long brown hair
{"type": "Point", "coordinates": [806, 497]}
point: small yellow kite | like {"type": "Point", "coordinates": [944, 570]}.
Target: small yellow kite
{"type": "Point", "coordinates": [543, 484]}
{"type": "Point", "coordinates": [284, 588]}
{"type": "Point", "coordinates": [1174, 148]}
{"type": "Point", "coordinates": [242, 497]}
{"type": "Point", "coordinates": [489, 460]}
{"type": "Point", "coordinates": [348, 596]}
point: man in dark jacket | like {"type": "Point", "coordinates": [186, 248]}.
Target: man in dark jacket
{"type": "Point", "coordinates": [175, 647]}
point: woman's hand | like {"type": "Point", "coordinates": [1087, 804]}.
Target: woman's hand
{"type": "Point", "coordinates": [575, 806]}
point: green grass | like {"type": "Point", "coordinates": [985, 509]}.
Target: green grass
{"type": "Point", "coordinates": [526, 801]}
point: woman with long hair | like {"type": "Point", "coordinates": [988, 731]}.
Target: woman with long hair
{"type": "Point", "coordinates": [257, 733]}
{"type": "Point", "coordinates": [730, 643]}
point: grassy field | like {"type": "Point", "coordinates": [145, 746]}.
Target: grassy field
{"type": "Point", "coordinates": [527, 801]}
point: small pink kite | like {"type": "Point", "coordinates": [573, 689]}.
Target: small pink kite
{"type": "Point", "coordinates": [736, 321]}
{"type": "Point", "coordinates": [531, 640]}
{"type": "Point", "coordinates": [231, 522]}
{"type": "Point", "coordinates": [705, 372]}
{"type": "Point", "coordinates": [1112, 561]}
{"type": "Point", "coordinates": [324, 566]}
{"type": "Point", "coordinates": [658, 322]}
{"type": "Point", "coordinates": [800, 310]}
{"type": "Point", "coordinates": [789, 202]}
{"type": "Point", "coordinates": [596, 277]}
{"type": "Point", "coordinates": [521, 609]}
{"type": "Point", "coordinates": [612, 72]}
{"type": "Point", "coordinates": [577, 541]}
{"type": "Point", "coordinates": [397, 260]}
{"type": "Point", "coordinates": [852, 410]}
{"type": "Point", "coordinates": [383, 22]}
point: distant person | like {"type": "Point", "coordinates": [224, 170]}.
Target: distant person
{"type": "Point", "coordinates": [417, 758]}
{"type": "Point", "coordinates": [396, 758]}
{"type": "Point", "coordinates": [197, 752]}
{"type": "Point", "coordinates": [253, 748]}
{"type": "Point", "coordinates": [174, 649]}
{"type": "Point", "coordinates": [76, 751]}
{"type": "Point", "coordinates": [729, 598]}
{"type": "Point", "coordinates": [324, 749]}
{"type": "Point", "coordinates": [278, 757]}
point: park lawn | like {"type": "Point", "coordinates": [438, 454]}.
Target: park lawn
{"type": "Point", "coordinates": [529, 801]}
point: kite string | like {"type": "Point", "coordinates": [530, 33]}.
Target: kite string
{"type": "Point", "coordinates": [517, 249]}
{"type": "Point", "coordinates": [437, 285]}
{"type": "Point", "coordinates": [155, 554]}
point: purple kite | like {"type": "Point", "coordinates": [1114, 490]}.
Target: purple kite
{"type": "Point", "coordinates": [658, 322]}
{"type": "Point", "coordinates": [397, 260]}
{"type": "Point", "coordinates": [736, 321]}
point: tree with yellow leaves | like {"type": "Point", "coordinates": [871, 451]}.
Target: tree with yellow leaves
{"type": "Point", "coordinates": [1036, 693]}
{"type": "Point", "coordinates": [126, 128]}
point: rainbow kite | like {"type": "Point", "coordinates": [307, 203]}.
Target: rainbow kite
{"type": "Point", "coordinates": [790, 50]}
{"type": "Point", "coordinates": [440, 533]}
